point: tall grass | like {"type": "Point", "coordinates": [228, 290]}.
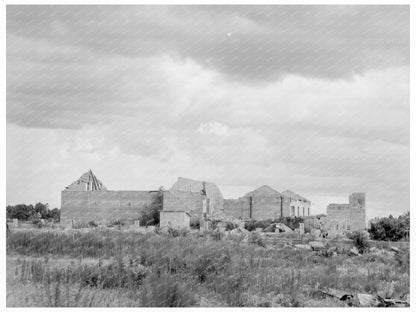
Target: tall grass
{"type": "Point", "coordinates": [157, 270]}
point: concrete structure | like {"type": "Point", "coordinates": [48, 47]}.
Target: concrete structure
{"type": "Point", "coordinates": [347, 217]}
{"type": "Point", "coordinates": [175, 219]}
{"type": "Point", "coordinates": [87, 199]}
{"type": "Point", "coordinates": [299, 206]}
{"type": "Point", "coordinates": [266, 203]}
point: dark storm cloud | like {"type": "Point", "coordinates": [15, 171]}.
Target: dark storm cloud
{"type": "Point", "coordinates": [254, 43]}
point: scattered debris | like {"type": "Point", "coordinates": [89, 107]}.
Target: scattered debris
{"type": "Point", "coordinates": [367, 300]}
{"type": "Point", "coordinates": [354, 251]}
{"type": "Point", "coordinates": [239, 231]}
{"type": "Point", "coordinates": [317, 245]}
{"type": "Point", "coordinates": [303, 246]}
{"type": "Point", "coordinates": [278, 228]}
{"type": "Point", "coordinates": [395, 249]}
{"type": "Point", "coordinates": [317, 233]}
{"type": "Point", "coordinates": [340, 295]}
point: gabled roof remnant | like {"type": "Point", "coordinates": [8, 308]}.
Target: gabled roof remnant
{"type": "Point", "coordinates": [194, 186]}
{"type": "Point", "coordinates": [91, 179]}
{"type": "Point", "coordinates": [263, 190]}
{"type": "Point", "coordinates": [289, 193]}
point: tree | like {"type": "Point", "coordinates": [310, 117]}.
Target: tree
{"type": "Point", "coordinates": [55, 214]}
{"type": "Point", "coordinates": [150, 214]}
{"type": "Point", "coordinates": [28, 212]}
{"type": "Point", "coordinates": [22, 212]}
{"type": "Point", "coordinates": [42, 209]}
{"type": "Point", "coordinates": [390, 229]}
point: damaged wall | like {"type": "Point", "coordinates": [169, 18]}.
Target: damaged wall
{"type": "Point", "coordinates": [260, 204]}
{"type": "Point", "coordinates": [104, 206]}
{"type": "Point", "coordinates": [347, 217]}
{"type": "Point", "coordinates": [175, 219]}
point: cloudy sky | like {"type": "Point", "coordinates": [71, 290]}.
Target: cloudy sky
{"type": "Point", "coordinates": [309, 98]}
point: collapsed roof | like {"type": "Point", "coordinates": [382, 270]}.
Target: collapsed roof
{"type": "Point", "coordinates": [87, 182]}
{"type": "Point", "coordinates": [194, 186]}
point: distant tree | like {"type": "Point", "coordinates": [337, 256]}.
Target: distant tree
{"type": "Point", "coordinates": [42, 210]}
{"type": "Point", "coordinates": [28, 212]}
{"type": "Point", "coordinates": [55, 214]}
{"type": "Point", "coordinates": [22, 212]}
{"type": "Point", "coordinates": [390, 229]}
{"type": "Point", "coordinates": [9, 211]}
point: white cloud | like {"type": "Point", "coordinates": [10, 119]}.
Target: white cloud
{"type": "Point", "coordinates": [215, 128]}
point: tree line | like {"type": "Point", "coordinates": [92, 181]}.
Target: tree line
{"type": "Point", "coordinates": [390, 228]}
{"type": "Point", "coordinates": [29, 212]}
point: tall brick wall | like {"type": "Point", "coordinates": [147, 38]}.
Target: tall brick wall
{"type": "Point", "coordinates": [173, 203]}
{"type": "Point", "coordinates": [175, 219]}
{"type": "Point", "coordinates": [192, 201]}
{"type": "Point", "coordinates": [266, 207]}
{"type": "Point", "coordinates": [285, 206]}
{"type": "Point", "coordinates": [263, 207]}
{"type": "Point", "coordinates": [103, 206]}
{"type": "Point", "coordinates": [237, 208]}
{"type": "Point", "coordinates": [213, 193]}
{"type": "Point", "coordinates": [358, 211]}
{"type": "Point", "coordinates": [350, 216]}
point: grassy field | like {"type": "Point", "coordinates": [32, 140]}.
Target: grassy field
{"type": "Point", "coordinates": [116, 268]}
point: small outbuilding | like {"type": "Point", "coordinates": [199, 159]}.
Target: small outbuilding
{"type": "Point", "coordinates": [175, 219]}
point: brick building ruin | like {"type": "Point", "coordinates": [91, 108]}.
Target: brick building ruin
{"type": "Point", "coordinates": [87, 199]}
{"type": "Point", "coordinates": [346, 217]}
{"type": "Point", "coordinates": [266, 203]}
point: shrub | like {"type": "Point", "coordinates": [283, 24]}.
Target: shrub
{"type": "Point", "coordinates": [292, 222]}
{"type": "Point", "coordinates": [229, 226]}
{"type": "Point", "coordinates": [150, 214]}
{"type": "Point", "coordinates": [360, 239]}
{"type": "Point", "coordinates": [195, 224]}
{"type": "Point", "coordinates": [390, 229]}
{"type": "Point", "coordinates": [250, 225]}
{"type": "Point", "coordinates": [92, 224]}
{"type": "Point", "coordinates": [256, 239]}
{"type": "Point", "coordinates": [37, 223]}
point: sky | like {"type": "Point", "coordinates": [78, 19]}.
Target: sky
{"type": "Point", "coordinates": [314, 99]}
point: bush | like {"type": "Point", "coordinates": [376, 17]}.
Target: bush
{"type": "Point", "coordinates": [250, 225]}
{"type": "Point", "coordinates": [150, 214]}
{"type": "Point", "coordinates": [360, 239]}
{"type": "Point", "coordinates": [229, 226]}
{"type": "Point", "coordinates": [92, 224]}
{"type": "Point", "coordinates": [391, 229]}
{"type": "Point", "coordinates": [256, 239]}
{"type": "Point", "coordinates": [195, 224]}
{"type": "Point", "coordinates": [292, 222]}
{"type": "Point", "coordinates": [37, 223]}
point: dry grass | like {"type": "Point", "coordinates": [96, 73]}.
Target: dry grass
{"type": "Point", "coordinates": [113, 268]}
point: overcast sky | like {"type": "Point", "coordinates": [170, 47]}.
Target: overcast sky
{"type": "Point", "coordinates": [309, 98]}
